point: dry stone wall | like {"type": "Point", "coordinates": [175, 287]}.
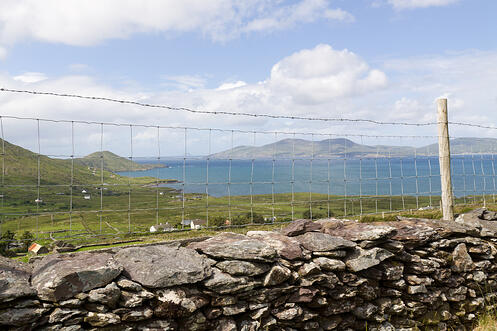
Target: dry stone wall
{"type": "Point", "coordinates": [323, 275]}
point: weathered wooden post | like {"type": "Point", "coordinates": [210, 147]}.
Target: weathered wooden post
{"type": "Point", "coordinates": [444, 161]}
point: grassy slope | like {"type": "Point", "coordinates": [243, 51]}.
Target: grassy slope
{"type": "Point", "coordinates": [112, 162]}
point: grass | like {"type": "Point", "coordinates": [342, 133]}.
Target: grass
{"type": "Point", "coordinates": [487, 322]}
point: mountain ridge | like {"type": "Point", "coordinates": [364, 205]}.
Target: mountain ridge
{"type": "Point", "coordinates": [341, 147]}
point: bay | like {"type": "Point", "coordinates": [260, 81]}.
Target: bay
{"type": "Point", "coordinates": [409, 176]}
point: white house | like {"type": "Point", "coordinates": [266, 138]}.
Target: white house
{"type": "Point", "coordinates": [194, 224]}
{"type": "Point", "coordinates": [161, 228]}
{"type": "Point", "coordinates": [84, 191]}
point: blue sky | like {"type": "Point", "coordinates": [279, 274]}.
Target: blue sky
{"type": "Point", "coordinates": [378, 59]}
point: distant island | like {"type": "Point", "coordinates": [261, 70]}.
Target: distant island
{"type": "Point", "coordinates": [341, 147]}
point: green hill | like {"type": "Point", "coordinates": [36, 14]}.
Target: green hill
{"type": "Point", "coordinates": [113, 162]}
{"type": "Point", "coordinates": [21, 167]}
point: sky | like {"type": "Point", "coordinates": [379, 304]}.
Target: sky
{"type": "Point", "coordinates": [385, 60]}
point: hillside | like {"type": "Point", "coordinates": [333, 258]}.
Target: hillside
{"type": "Point", "coordinates": [337, 148]}
{"type": "Point", "coordinates": [21, 167]}
{"type": "Point", "coordinates": [113, 162]}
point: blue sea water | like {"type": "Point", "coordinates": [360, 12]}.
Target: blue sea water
{"type": "Point", "coordinates": [471, 174]}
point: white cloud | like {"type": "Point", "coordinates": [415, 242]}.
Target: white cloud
{"type": "Point", "coordinates": [302, 12]}
{"type": "Point", "coordinates": [31, 77]}
{"type": "Point", "coordinates": [185, 82]}
{"type": "Point", "coordinates": [411, 4]}
{"type": "Point", "coordinates": [227, 86]}
{"type": "Point", "coordinates": [322, 74]}
{"type": "Point", "coordinates": [3, 53]}
{"type": "Point", "coordinates": [318, 82]}
{"type": "Point", "coordinates": [339, 14]}
{"type": "Point", "coordinates": [80, 23]}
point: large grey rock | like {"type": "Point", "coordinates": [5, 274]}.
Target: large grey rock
{"type": "Point", "coordinates": [22, 316]}
{"type": "Point", "coordinates": [137, 315]}
{"type": "Point", "coordinates": [14, 280]}
{"type": "Point", "coordinates": [287, 247]}
{"type": "Point", "coordinates": [181, 300]}
{"type": "Point", "coordinates": [58, 277]}
{"type": "Point", "coordinates": [234, 246]}
{"type": "Point", "coordinates": [327, 264]}
{"type": "Point", "coordinates": [224, 283]}
{"type": "Point", "coordinates": [163, 266]}
{"type": "Point", "coordinates": [102, 319]}
{"type": "Point", "coordinates": [362, 231]}
{"type": "Point", "coordinates": [108, 295]}
{"type": "Point", "coordinates": [299, 227]}
{"type": "Point", "coordinates": [461, 259]}
{"type": "Point", "coordinates": [242, 268]}
{"type": "Point", "coordinates": [277, 275]}
{"type": "Point", "coordinates": [362, 259]}
{"type": "Point", "coordinates": [60, 315]}
{"type": "Point", "coordinates": [321, 242]}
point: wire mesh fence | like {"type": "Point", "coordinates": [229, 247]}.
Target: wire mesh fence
{"type": "Point", "coordinates": [176, 178]}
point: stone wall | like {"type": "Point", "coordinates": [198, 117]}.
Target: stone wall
{"type": "Point", "coordinates": [323, 275]}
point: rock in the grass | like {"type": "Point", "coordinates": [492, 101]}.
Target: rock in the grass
{"type": "Point", "coordinates": [321, 242]}
{"type": "Point", "coordinates": [58, 277]}
{"type": "Point", "coordinates": [242, 268]}
{"type": "Point", "coordinates": [362, 259]}
{"type": "Point", "coordinates": [277, 275]}
{"type": "Point", "coordinates": [108, 295]}
{"type": "Point", "coordinates": [286, 247]}
{"type": "Point", "coordinates": [14, 280]}
{"type": "Point", "coordinates": [102, 319]}
{"type": "Point", "coordinates": [461, 259]}
{"type": "Point", "coordinates": [299, 227]}
{"type": "Point", "coordinates": [163, 266]}
{"type": "Point", "coordinates": [233, 246]}
{"type": "Point", "coordinates": [22, 316]}
{"type": "Point", "coordinates": [362, 231]}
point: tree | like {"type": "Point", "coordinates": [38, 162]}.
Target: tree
{"type": "Point", "coordinates": [315, 214]}
{"type": "Point", "coordinates": [217, 221]}
{"type": "Point", "coordinates": [26, 239]}
{"type": "Point", "coordinates": [5, 240]}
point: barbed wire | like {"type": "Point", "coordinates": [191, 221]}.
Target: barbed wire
{"type": "Point", "coordinates": [217, 112]}
{"type": "Point", "coordinates": [171, 127]}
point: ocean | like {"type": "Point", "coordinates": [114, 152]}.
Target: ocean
{"type": "Point", "coordinates": [471, 175]}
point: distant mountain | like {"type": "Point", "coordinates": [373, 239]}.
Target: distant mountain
{"type": "Point", "coordinates": [113, 162]}
{"type": "Point", "coordinates": [467, 146]}
{"type": "Point", "coordinates": [338, 148]}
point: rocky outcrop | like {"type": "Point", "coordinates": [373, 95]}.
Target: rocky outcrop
{"type": "Point", "coordinates": [326, 275]}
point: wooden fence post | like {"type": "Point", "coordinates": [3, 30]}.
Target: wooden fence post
{"type": "Point", "coordinates": [444, 161]}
